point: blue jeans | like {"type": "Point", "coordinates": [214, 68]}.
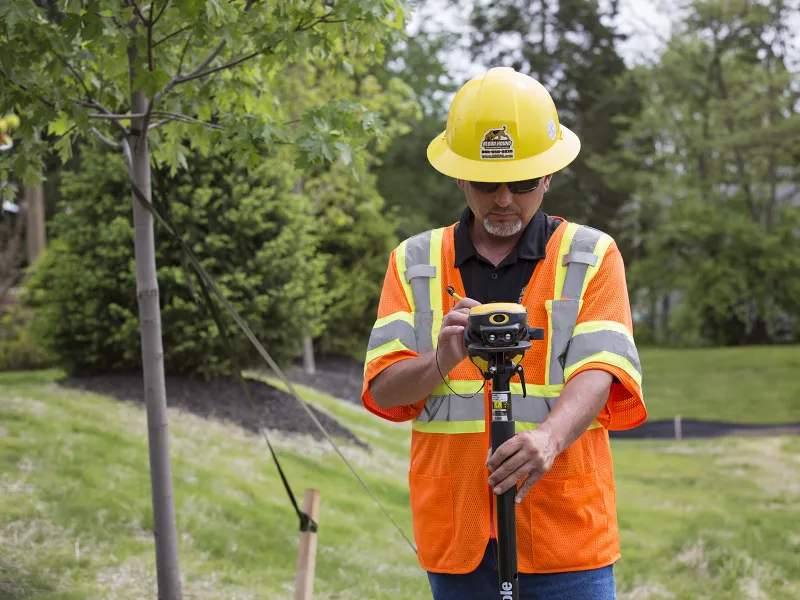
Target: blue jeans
{"type": "Point", "coordinates": [483, 583]}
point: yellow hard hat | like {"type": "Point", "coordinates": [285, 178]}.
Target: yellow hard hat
{"type": "Point", "coordinates": [502, 127]}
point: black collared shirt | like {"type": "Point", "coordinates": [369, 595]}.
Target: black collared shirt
{"type": "Point", "coordinates": [504, 283]}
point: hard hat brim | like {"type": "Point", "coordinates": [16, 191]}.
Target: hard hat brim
{"type": "Point", "coordinates": [560, 155]}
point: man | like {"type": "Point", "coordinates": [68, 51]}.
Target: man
{"type": "Point", "coordinates": [502, 144]}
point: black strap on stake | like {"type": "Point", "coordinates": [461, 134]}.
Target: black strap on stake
{"type": "Point", "coordinates": [204, 276]}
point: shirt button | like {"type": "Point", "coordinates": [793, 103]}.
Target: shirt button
{"type": "Point", "coordinates": [494, 275]}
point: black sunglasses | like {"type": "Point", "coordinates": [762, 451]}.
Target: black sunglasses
{"type": "Point", "coordinates": [515, 187]}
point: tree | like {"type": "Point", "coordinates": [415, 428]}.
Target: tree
{"type": "Point", "coordinates": [714, 160]}
{"type": "Point", "coordinates": [123, 71]}
{"type": "Point", "coordinates": [420, 196]}
{"type": "Point", "coordinates": [570, 47]}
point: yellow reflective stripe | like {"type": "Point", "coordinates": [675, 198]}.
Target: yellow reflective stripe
{"type": "Point", "coordinates": [600, 251]}
{"type": "Point", "coordinates": [472, 386]}
{"type": "Point", "coordinates": [398, 316]}
{"type": "Point", "coordinates": [393, 346]}
{"type": "Point", "coordinates": [436, 261]}
{"type": "Point", "coordinates": [548, 305]}
{"type": "Point", "coordinates": [520, 426]}
{"type": "Point", "coordinates": [594, 326]}
{"type": "Point", "coordinates": [400, 261]}
{"type": "Point", "coordinates": [544, 391]}
{"type": "Point", "coordinates": [561, 269]}
{"type": "Point", "coordinates": [609, 358]}
{"type": "Point", "coordinates": [448, 426]}
{"type": "Point", "coordinates": [460, 386]}
{"type": "Point", "coordinates": [456, 427]}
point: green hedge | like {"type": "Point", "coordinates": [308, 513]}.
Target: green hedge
{"type": "Point", "coordinates": [252, 233]}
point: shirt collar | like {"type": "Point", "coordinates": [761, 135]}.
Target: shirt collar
{"type": "Point", "coordinates": [531, 245]}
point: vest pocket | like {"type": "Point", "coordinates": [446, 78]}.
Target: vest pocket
{"type": "Point", "coordinates": [433, 520]}
{"type": "Point", "coordinates": [570, 524]}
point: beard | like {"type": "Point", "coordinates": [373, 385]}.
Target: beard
{"type": "Point", "coordinates": [502, 228]}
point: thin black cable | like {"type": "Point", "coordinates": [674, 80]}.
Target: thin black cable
{"type": "Point", "coordinates": [448, 385]}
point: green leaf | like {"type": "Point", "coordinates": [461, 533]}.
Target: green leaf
{"type": "Point", "coordinates": [345, 152]}
{"type": "Point", "coordinates": [60, 125]}
{"type": "Point", "coordinates": [14, 11]}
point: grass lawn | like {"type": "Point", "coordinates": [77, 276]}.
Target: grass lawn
{"type": "Point", "coordinates": [716, 519]}
{"type": "Point", "coordinates": [751, 384]}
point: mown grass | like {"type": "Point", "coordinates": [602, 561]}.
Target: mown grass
{"type": "Point", "coordinates": [757, 384]}
{"type": "Point", "coordinates": [715, 519]}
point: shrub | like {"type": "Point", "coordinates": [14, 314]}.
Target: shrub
{"type": "Point", "coordinates": [251, 233]}
{"type": "Point", "coordinates": [19, 349]}
{"type": "Point", "coordinates": [357, 234]}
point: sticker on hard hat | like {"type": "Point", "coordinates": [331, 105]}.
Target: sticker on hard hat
{"type": "Point", "coordinates": [497, 143]}
{"type": "Point", "coordinates": [551, 129]}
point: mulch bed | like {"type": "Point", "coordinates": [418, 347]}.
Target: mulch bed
{"type": "Point", "coordinates": [695, 428]}
{"type": "Point", "coordinates": [222, 398]}
{"type": "Point", "coordinates": [340, 377]}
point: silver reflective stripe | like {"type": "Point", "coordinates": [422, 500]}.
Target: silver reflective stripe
{"type": "Point", "coordinates": [564, 315]}
{"type": "Point", "coordinates": [532, 409]}
{"type": "Point", "coordinates": [579, 257]}
{"type": "Point", "coordinates": [418, 274]}
{"type": "Point", "coordinates": [578, 261]}
{"type": "Point", "coordinates": [395, 330]}
{"type": "Point", "coordinates": [418, 252]}
{"type": "Point", "coordinates": [420, 271]}
{"type": "Point", "coordinates": [585, 345]}
{"type": "Point", "coordinates": [452, 408]}
{"type": "Point", "coordinates": [423, 329]}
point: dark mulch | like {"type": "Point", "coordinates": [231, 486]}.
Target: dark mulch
{"type": "Point", "coordinates": [695, 428]}
{"type": "Point", "coordinates": [224, 399]}
{"type": "Point", "coordinates": [337, 376]}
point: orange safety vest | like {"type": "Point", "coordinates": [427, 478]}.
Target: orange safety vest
{"type": "Point", "coordinates": [578, 294]}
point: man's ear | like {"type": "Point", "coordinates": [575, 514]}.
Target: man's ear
{"type": "Point", "coordinates": [461, 183]}
{"type": "Point", "coordinates": [546, 181]}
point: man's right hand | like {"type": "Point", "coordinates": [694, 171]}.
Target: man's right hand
{"type": "Point", "coordinates": [452, 349]}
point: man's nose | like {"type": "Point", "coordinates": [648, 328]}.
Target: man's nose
{"type": "Point", "coordinates": [504, 197]}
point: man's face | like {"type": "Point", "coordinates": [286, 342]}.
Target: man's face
{"type": "Point", "coordinates": [502, 213]}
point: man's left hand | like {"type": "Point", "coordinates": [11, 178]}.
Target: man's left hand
{"type": "Point", "coordinates": [528, 454]}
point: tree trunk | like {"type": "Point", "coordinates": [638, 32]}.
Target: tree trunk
{"type": "Point", "coordinates": [308, 344]}
{"type": "Point", "coordinates": [308, 356]}
{"type": "Point", "coordinates": [35, 237]}
{"type": "Point", "coordinates": [164, 528]}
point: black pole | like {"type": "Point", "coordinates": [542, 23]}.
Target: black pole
{"type": "Point", "coordinates": [502, 430]}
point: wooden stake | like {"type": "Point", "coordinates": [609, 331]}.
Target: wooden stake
{"type": "Point", "coordinates": [678, 432]}
{"type": "Point", "coordinates": [307, 549]}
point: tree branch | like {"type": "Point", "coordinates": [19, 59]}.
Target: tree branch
{"type": "Point", "coordinates": [136, 10]}
{"type": "Point", "coordinates": [233, 63]}
{"type": "Point", "coordinates": [75, 73]}
{"type": "Point", "coordinates": [113, 117]}
{"type": "Point", "coordinates": [188, 119]}
{"type": "Point", "coordinates": [160, 122]}
{"type": "Point", "coordinates": [171, 35]}
{"type": "Point", "coordinates": [104, 139]}
{"type": "Point", "coordinates": [160, 13]}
